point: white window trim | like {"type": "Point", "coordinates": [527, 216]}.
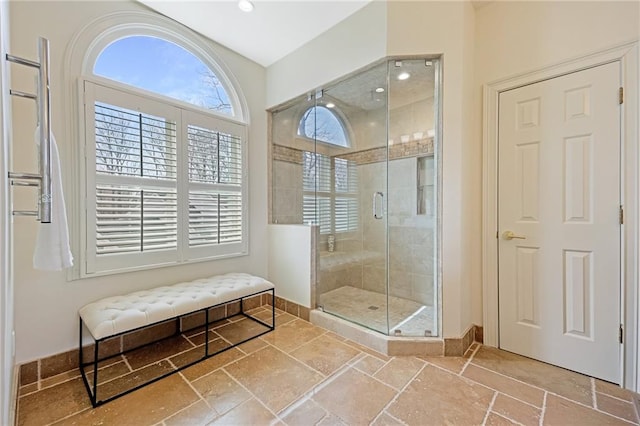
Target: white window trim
{"type": "Point", "coordinates": [79, 58]}
{"type": "Point", "coordinates": [91, 264]}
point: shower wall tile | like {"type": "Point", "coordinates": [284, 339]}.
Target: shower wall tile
{"type": "Point", "coordinates": [287, 193]}
{"type": "Point", "coordinates": [399, 282]}
{"type": "Point", "coordinates": [285, 153]}
{"type": "Point", "coordinates": [374, 278]}
{"type": "Point", "coordinates": [422, 256]}
{"type": "Point", "coordinates": [422, 289]}
{"type": "Point", "coordinates": [411, 148]}
{"type": "Point", "coordinates": [402, 173]}
{"type": "Point", "coordinates": [350, 244]}
{"type": "Point", "coordinates": [425, 236]}
{"type": "Point", "coordinates": [287, 175]}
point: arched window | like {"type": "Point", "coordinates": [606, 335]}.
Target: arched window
{"type": "Point", "coordinates": [322, 124]}
{"type": "Point", "coordinates": [165, 151]}
{"type": "Point", "coordinates": [330, 183]}
{"type": "Point", "coordinates": [163, 67]}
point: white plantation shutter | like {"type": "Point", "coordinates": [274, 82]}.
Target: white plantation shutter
{"type": "Point", "coordinates": [215, 186]}
{"type": "Point", "coordinates": [346, 214]}
{"type": "Point", "coordinates": [346, 195]}
{"type": "Point", "coordinates": [142, 155]}
{"type": "Point", "coordinates": [133, 219]}
{"type": "Point", "coordinates": [134, 144]}
{"type": "Point", "coordinates": [330, 193]}
{"type": "Point", "coordinates": [317, 210]}
{"type": "Point", "coordinates": [204, 214]}
{"type": "Point", "coordinates": [316, 182]}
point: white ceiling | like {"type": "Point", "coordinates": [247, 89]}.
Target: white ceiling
{"type": "Point", "coordinates": [268, 33]}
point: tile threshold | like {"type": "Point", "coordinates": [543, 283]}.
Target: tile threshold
{"type": "Point", "coordinates": [388, 345]}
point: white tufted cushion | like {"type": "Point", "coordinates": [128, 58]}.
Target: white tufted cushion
{"type": "Point", "coordinates": [118, 314]}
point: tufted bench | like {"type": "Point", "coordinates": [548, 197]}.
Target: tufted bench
{"type": "Point", "coordinates": [125, 315]}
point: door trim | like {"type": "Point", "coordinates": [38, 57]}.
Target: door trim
{"type": "Point", "coordinates": [627, 55]}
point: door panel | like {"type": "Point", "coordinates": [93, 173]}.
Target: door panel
{"type": "Point", "coordinates": [559, 195]}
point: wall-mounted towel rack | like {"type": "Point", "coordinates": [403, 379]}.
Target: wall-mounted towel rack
{"type": "Point", "coordinates": [42, 179]}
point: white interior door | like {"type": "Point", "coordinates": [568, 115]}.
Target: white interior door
{"type": "Point", "coordinates": [559, 196]}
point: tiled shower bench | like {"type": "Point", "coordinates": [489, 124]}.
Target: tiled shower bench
{"type": "Point", "coordinates": [109, 318]}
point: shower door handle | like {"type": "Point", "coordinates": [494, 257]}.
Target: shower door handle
{"type": "Point", "coordinates": [378, 206]}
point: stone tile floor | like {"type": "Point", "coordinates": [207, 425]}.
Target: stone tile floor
{"type": "Point", "coordinates": [301, 374]}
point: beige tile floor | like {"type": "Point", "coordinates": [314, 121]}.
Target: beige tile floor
{"type": "Point", "coordinates": [369, 309]}
{"type": "Point", "coordinates": [301, 374]}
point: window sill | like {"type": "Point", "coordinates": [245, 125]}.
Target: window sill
{"type": "Point", "coordinates": [84, 275]}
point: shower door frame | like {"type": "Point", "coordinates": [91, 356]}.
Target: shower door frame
{"type": "Point", "coordinates": [437, 155]}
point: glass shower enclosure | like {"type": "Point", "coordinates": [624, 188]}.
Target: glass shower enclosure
{"type": "Point", "coordinates": [359, 158]}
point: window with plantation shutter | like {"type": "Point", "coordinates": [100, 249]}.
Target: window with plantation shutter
{"type": "Point", "coordinates": [165, 183]}
{"type": "Point", "coordinates": [345, 210]}
{"type": "Point", "coordinates": [215, 186]}
{"type": "Point", "coordinates": [330, 197]}
{"type": "Point", "coordinates": [316, 182]}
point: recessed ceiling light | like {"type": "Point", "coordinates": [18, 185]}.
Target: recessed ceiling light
{"type": "Point", "coordinates": [403, 76]}
{"type": "Point", "coordinates": [245, 5]}
{"type": "Point", "coordinates": [331, 105]}
{"type": "Point", "coordinates": [380, 90]}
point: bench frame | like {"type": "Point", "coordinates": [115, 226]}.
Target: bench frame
{"type": "Point", "coordinates": [92, 388]}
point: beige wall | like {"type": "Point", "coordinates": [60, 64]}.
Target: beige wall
{"type": "Point", "coordinates": [46, 304]}
{"type": "Point", "coordinates": [517, 37]}
{"type": "Point", "coordinates": [351, 44]}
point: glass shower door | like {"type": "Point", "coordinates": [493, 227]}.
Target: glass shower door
{"type": "Point", "coordinates": [413, 202]}
{"type": "Point", "coordinates": [351, 199]}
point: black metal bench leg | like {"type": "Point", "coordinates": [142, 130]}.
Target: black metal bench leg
{"type": "Point", "coordinates": [81, 359]}
{"type": "Point", "coordinates": [95, 372]}
{"type": "Point", "coordinates": [206, 332]}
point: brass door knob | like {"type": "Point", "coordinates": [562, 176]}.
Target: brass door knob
{"type": "Point", "coordinates": [509, 235]}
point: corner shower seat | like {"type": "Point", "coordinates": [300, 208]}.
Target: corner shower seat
{"type": "Point", "coordinates": [119, 315]}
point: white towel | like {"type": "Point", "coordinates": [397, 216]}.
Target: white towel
{"type": "Point", "coordinates": [53, 252]}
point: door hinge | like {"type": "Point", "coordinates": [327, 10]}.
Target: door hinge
{"type": "Point", "coordinates": [621, 334]}
{"type": "Point", "coordinates": [621, 95]}
{"type": "Point", "coordinates": [497, 235]}
{"type": "Point", "coordinates": [621, 215]}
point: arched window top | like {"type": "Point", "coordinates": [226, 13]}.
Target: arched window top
{"type": "Point", "coordinates": [322, 124]}
{"type": "Point", "coordinates": [163, 67]}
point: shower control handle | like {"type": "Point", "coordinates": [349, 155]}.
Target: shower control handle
{"type": "Point", "coordinates": [378, 207]}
